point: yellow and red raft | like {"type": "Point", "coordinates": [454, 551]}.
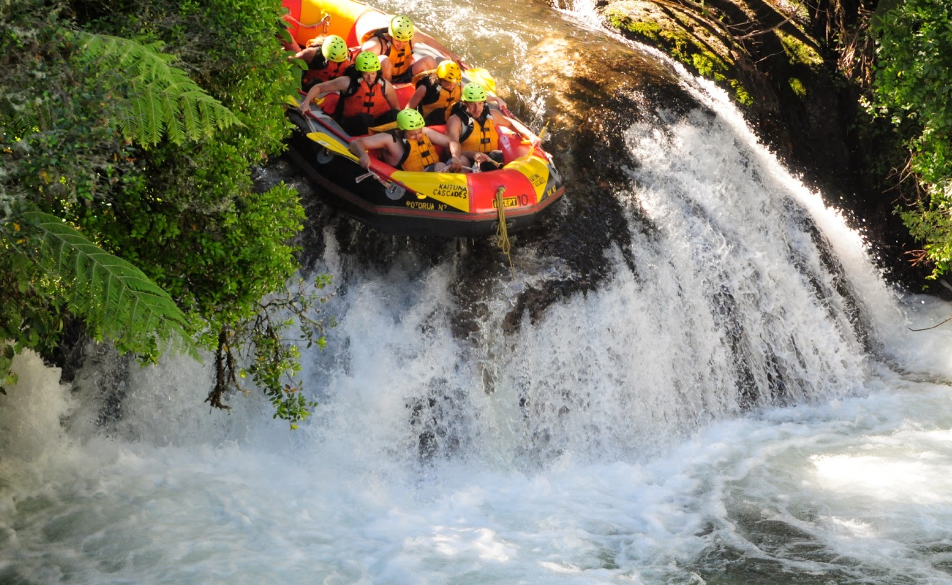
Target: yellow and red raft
{"type": "Point", "coordinates": [409, 203]}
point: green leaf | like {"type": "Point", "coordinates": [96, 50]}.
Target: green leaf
{"type": "Point", "coordinates": [110, 294]}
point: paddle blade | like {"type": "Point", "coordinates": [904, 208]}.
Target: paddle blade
{"type": "Point", "coordinates": [482, 77]}
{"type": "Point", "coordinates": [332, 144]}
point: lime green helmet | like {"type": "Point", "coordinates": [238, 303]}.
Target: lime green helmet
{"type": "Point", "coordinates": [367, 61]}
{"type": "Point", "coordinates": [410, 119]}
{"type": "Point", "coordinates": [474, 92]}
{"type": "Point", "coordinates": [449, 71]}
{"type": "Point", "coordinates": [334, 49]}
{"type": "Point", "coordinates": [401, 28]}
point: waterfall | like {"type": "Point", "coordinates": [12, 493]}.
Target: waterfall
{"type": "Point", "coordinates": [739, 399]}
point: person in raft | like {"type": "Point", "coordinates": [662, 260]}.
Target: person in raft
{"type": "Point", "coordinates": [439, 90]}
{"type": "Point", "coordinates": [472, 129]}
{"type": "Point", "coordinates": [366, 98]}
{"type": "Point", "coordinates": [394, 45]}
{"type": "Point", "coordinates": [327, 58]}
{"type": "Point", "coordinates": [410, 147]}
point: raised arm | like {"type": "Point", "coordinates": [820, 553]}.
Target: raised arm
{"type": "Point", "coordinates": [339, 84]}
{"type": "Point", "coordinates": [390, 95]}
{"type": "Point", "coordinates": [515, 126]}
{"type": "Point", "coordinates": [498, 101]}
{"type": "Point", "coordinates": [417, 97]}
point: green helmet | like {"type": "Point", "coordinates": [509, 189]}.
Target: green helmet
{"type": "Point", "coordinates": [334, 49]}
{"type": "Point", "coordinates": [401, 28]}
{"type": "Point", "coordinates": [410, 119]}
{"type": "Point", "coordinates": [449, 71]}
{"type": "Point", "coordinates": [367, 61]}
{"type": "Point", "coordinates": [474, 92]}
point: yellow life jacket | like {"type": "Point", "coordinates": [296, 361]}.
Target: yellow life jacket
{"type": "Point", "coordinates": [418, 154]}
{"type": "Point", "coordinates": [478, 135]}
{"type": "Point", "coordinates": [445, 100]}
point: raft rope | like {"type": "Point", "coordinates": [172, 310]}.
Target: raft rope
{"type": "Point", "coordinates": [542, 133]}
{"type": "Point", "coordinates": [325, 21]}
{"type": "Point", "coordinates": [502, 232]}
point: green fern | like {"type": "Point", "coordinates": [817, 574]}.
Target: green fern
{"type": "Point", "coordinates": [160, 99]}
{"type": "Point", "coordinates": [114, 297]}
{"type": "Point", "coordinates": [22, 119]}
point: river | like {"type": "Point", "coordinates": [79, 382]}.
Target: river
{"type": "Point", "coordinates": [724, 391]}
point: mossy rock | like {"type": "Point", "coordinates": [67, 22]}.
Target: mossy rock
{"type": "Point", "coordinates": [682, 34]}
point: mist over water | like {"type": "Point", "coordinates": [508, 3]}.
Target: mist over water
{"type": "Point", "coordinates": [739, 401]}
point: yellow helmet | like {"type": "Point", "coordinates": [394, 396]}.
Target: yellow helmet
{"type": "Point", "coordinates": [449, 71]}
{"type": "Point", "coordinates": [401, 28]}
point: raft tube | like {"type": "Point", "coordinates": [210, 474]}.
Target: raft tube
{"type": "Point", "coordinates": [408, 203]}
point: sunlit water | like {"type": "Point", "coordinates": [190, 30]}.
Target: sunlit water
{"type": "Point", "coordinates": [742, 402]}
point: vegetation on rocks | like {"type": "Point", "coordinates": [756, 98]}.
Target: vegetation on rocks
{"type": "Point", "coordinates": [685, 34]}
{"type": "Point", "coordinates": [912, 89]}
{"type": "Point", "coordinates": [129, 133]}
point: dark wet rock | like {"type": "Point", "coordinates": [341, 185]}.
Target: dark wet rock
{"type": "Point", "coordinates": [594, 102]}
{"type": "Point", "coordinates": [68, 354]}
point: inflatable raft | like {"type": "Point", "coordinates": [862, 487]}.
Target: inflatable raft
{"type": "Point", "coordinates": [412, 203]}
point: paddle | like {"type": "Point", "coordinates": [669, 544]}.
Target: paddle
{"type": "Point", "coordinates": [332, 145]}
{"type": "Point", "coordinates": [448, 188]}
{"type": "Point", "coordinates": [482, 77]}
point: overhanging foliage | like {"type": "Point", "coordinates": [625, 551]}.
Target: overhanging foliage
{"type": "Point", "coordinates": [913, 89]}
{"type": "Point", "coordinates": [148, 154]}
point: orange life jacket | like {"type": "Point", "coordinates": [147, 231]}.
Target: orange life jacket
{"type": "Point", "coordinates": [328, 70]}
{"type": "Point", "coordinates": [361, 98]}
{"type": "Point", "coordinates": [402, 59]}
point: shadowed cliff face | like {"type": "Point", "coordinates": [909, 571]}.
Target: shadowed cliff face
{"type": "Point", "coordinates": [765, 54]}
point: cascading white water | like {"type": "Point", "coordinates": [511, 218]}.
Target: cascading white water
{"type": "Point", "coordinates": [740, 402]}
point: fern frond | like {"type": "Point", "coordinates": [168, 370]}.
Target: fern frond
{"type": "Point", "coordinates": [191, 118]}
{"type": "Point", "coordinates": [150, 110]}
{"type": "Point", "coordinates": [131, 57]}
{"type": "Point", "coordinates": [161, 99]}
{"type": "Point", "coordinates": [114, 297]}
{"type": "Point", "coordinates": [172, 118]}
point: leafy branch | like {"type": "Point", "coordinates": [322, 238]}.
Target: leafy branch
{"type": "Point", "coordinates": [274, 361]}
{"type": "Point", "coordinates": [911, 90]}
{"type": "Point", "coordinates": [114, 297]}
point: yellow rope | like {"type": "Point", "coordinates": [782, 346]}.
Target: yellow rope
{"type": "Point", "coordinates": [502, 232]}
{"type": "Point", "coordinates": [542, 132]}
